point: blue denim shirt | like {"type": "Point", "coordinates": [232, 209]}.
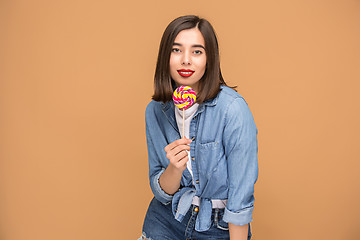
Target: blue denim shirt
{"type": "Point", "coordinates": [223, 154]}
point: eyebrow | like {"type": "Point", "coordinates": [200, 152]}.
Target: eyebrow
{"type": "Point", "coordinates": [196, 45]}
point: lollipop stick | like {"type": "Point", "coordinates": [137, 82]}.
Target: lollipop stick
{"type": "Point", "coordinates": [183, 123]}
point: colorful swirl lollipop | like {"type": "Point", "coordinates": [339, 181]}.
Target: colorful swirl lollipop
{"type": "Point", "coordinates": [184, 97]}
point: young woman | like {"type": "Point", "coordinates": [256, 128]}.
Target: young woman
{"type": "Point", "coordinates": [203, 182]}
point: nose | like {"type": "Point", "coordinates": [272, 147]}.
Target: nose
{"type": "Point", "coordinates": [186, 59]}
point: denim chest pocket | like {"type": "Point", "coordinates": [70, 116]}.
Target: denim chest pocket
{"type": "Point", "coordinates": [208, 156]}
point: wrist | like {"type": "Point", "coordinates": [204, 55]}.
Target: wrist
{"type": "Point", "coordinates": [175, 171]}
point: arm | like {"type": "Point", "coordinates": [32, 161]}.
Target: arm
{"type": "Point", "coordinates": [156, 169]}
{"type": "Point", "coordinates": [177, 155]}
{"type": "Point", "coordinates": [168, 173]}
{"type": "Point", "coordinates": [240, 145]}
{"type": "Point", "coordinates": [238, 232]}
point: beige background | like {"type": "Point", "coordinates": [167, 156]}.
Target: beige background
{"type": "Point", "coordinates": [76, 76]}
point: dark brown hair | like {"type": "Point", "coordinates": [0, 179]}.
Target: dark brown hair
{"type": "Point", "coordinates": [209, 84]}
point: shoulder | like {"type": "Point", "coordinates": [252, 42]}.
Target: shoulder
{"type": "Point", "coordinates": [233, 103]}
{"type": "Point", "coordinates": [228, 97]}
{"type": "Point", "coordinates": [153, 108]}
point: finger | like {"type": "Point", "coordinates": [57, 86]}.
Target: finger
{"type": "Point", "coordinates": [176, 143]}
{"type": "Point", "coordinates": [180, 156]}
{"type": "Point", "coordinates": [179, 149]}
{"type": "Point", "coordinates": [175, 158]}
{"type": "Point", "coordinates": [183, 161]}
{"type": "Point", "coordinates": [182, 141]}
{"type": "Point", "coordinates": [175, 152]}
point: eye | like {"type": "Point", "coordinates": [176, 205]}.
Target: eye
{"type": "Point", "coordinates": [198, 52]}
{"type": "Point", "coordinates": [175, 50]}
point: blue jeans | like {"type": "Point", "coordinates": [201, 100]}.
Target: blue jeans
{"type": "Point", "coordinates": [160, 224]}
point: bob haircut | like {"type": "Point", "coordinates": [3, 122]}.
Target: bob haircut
{"type": "Point", "coordinates": [209, 84]}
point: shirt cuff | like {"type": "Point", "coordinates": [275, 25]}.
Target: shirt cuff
{"type": "Point", "coordinates": [160, 195]}
{"type": "Point", "coordinates": [238, 218]}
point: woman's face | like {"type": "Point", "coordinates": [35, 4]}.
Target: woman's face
{"type": "Point", "coordinates": [188, 58]}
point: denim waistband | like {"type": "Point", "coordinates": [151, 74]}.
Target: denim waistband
{"type": "Point", "coordinates": [214, 210]}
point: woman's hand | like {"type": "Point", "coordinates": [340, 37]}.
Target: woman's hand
{"type": "Point", "coordinates": [177, 155]}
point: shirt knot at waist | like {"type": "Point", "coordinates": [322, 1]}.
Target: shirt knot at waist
{"type": "Point", "coordinates": [181, 204]}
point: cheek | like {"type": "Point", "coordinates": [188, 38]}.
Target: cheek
{"type": "Point", "coordinates": [173, 61]}
{"type": "Point", "coordinates": [202, 64]}
{"type": "Point", "coordinates": [172, 66]}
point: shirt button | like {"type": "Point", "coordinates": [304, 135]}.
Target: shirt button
{"type": "Point", "coordinates": [197, 181]}
{"type": "Point", "coordinates": [196, 209]}
{"type": "Point", "coordinates": [193, 158]}
{"type": "Point", "coordinates": [193, 138]}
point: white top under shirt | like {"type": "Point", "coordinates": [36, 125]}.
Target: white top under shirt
{"type": "Point", "coordinates": [189, 113]}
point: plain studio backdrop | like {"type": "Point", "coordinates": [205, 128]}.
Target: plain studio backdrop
{"type": "Point", "coordinates": [76, 76]}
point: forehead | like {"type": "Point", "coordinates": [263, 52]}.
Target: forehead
{"type": "Point", "coordinates": [190, 37]}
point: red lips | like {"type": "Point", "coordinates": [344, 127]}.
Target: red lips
{"type": "Point", "coordinates": [185, 72]}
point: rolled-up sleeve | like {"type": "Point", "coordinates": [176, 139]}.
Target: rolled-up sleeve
{"type": "Point", "coordinates": [240, 143]}
{"type": "Point", "coordinates": [155, 167]}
